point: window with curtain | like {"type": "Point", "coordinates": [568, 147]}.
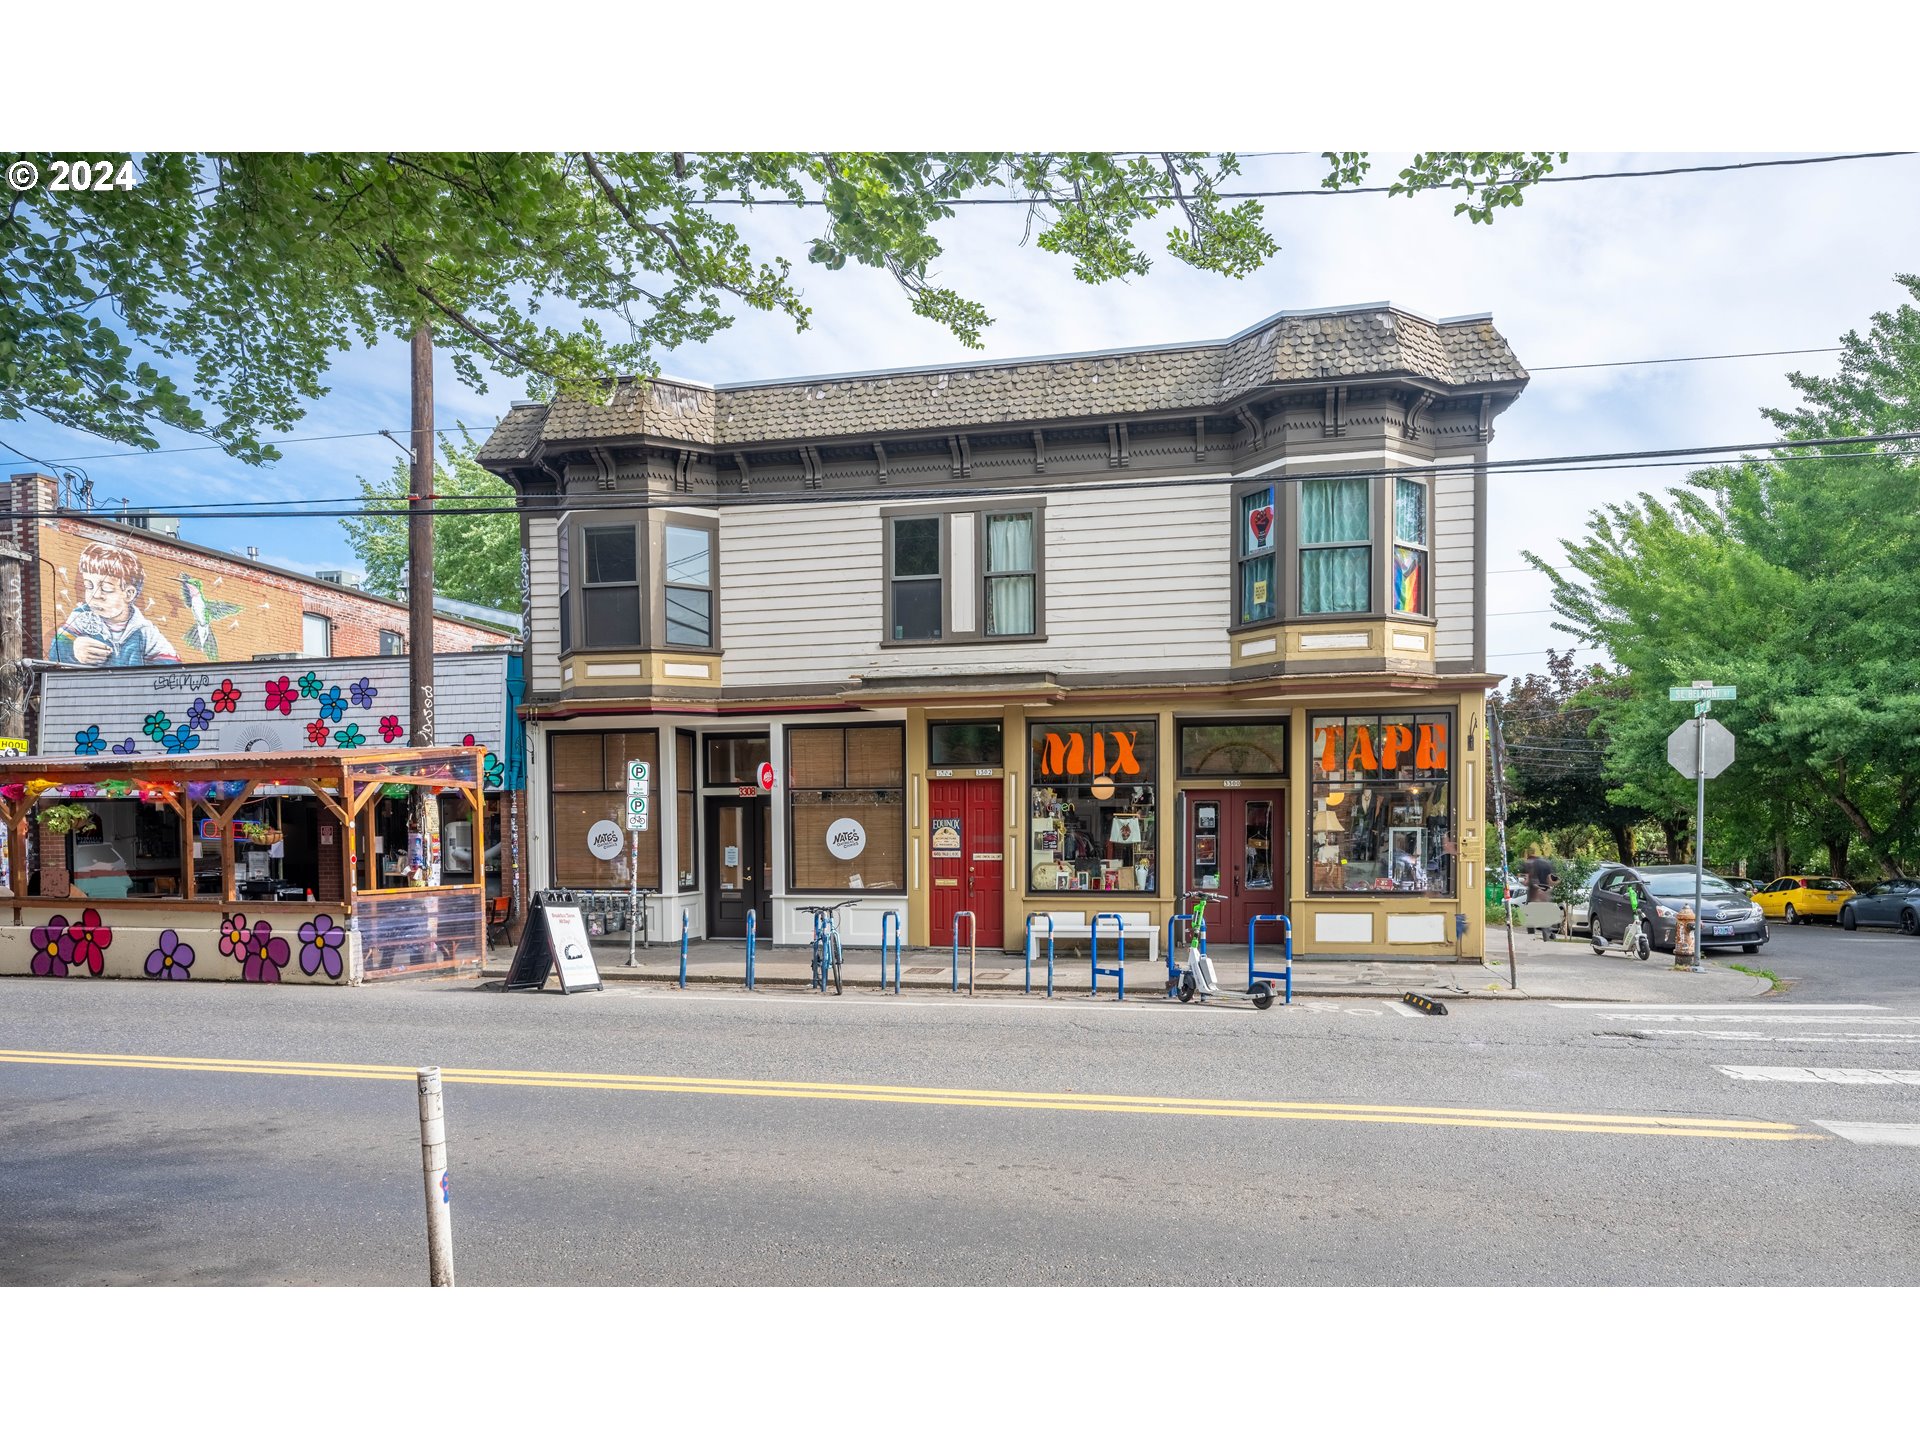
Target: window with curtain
{"type": "Point", "coordinates": [588, 784]}
{"type": "Point", "coordinates": [1010, 575]}
{"type": "Point", "coordinates": [1410, 546]}
{"type": "Point", "coordinates": [611, 596]}
{"type": "Point", "coordinates": [1335, 556]}
{"type": "Point", "coordinates": [916, 578]}
{"type": "Point", "coordinates": [847, 807]}
{"type": "Point", "coordinates": [1254, 547]}
{"type": "Point", "coordinates": [689, 585]}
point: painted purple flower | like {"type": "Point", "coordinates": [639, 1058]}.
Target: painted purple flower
{"type": "Point", "coordinates": [52, 947]}
{"type": "Point", "coordinates": [128, 746]}
{"type": "Point", "coordinates": [172, 959]}
{"type": "Point", "coordinates": [321, 939]}
{"type": "Point", "coordinates": [266, 955]}
{"type": "Point", "coordinates": [361, 692]}
{"type": "Point", "coordinates": [199, 714]}
{"type": "Point", "coordinates": [90, 940]}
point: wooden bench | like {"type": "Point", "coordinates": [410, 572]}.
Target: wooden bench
{"type": "Point", "coordinates": [1075, 925]}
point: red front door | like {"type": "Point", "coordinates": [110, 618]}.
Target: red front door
{"type": "Point", "coordinates": [1236, 848]}
{"type": "Point", "coordinates": [968, 866]}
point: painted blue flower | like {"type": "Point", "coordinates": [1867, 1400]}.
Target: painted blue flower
{"type": "Point", "coordinates": [128, 746]}
{"type": "Point", "coordinates": [199, 714]}
{"type": "Point", "coordinates": [180, 741]}
{"type": "Point", "coordinates": [362, 692]}
{"type": "Point", "coordinates": [157, 725]}
{"type": "Point", "coordinates": [88, 741]}
{"type": "Point", "coordinates": [333, 708]}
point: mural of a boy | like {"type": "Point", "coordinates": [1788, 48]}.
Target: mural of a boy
{"type": "Point", "coordinates": [106, 627]}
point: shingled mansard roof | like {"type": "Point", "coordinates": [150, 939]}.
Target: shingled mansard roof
{"type": "Point", "coordinates": [1351, 343]}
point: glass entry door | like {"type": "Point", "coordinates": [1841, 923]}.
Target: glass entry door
{"type": "Point", "coordinates": [1235, 847]}
{"type": "Point", "coordinates": [739, 866]}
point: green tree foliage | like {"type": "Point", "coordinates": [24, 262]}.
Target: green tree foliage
{"type": "Point", "coordinates": [475, 557]}
{"type": "Point", "coordinates": [1791, 577]}
{"type": "Point", "coordinates": [1555, 752]}
{"type": "Point", "coordinates": [242, 274]}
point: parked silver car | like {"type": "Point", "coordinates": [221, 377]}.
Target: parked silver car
{"type": "Point", "coordinates": [1891, 902]}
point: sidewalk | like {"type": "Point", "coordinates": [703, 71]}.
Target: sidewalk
{"type": "Point", "coordinates": [1548, 970]}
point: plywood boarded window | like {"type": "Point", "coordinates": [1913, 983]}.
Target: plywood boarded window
{"type": "Point", "coordinates": [589, 784]}
{"type": "Point", "coordinates": [847, 808]}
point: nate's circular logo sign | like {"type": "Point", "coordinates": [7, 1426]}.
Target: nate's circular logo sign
{"type": "Point", "coordinates": [605, 840]}
{"type": "Point", "coordinates": [846, 838]}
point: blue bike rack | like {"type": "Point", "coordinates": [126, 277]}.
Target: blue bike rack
{"type": "Point", "coordinates": [1049, 919]}
{"type": "Point", "coordinates": [1119, 972]}
{"type": "Point", "coordinates": [752, 916]}
{"type": "Point", "coordinates": [1173, 967]}
{"type": "Point", "coordinates": [686, 920]}
{"type": "Point", "coordinates": [821, 982]}
{"type": "Point", "coordinates": [972, 947]}
{"type": "Point", "coordinates": [1287, 935]}
{"type": "Point", "coordinates": [894, 917]}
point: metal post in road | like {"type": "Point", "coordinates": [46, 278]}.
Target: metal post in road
{"type": "Point", "coordinates": [1699, 819]}
{"type": "Point", "coordinates": [1713, 751]}
{"type": "Point", "coordinates": [433, 1164]}
{"type": "Point", "coordinates": [1500, 812]}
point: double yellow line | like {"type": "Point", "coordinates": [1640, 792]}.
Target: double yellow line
{"type": "Point", "coordinates": [1694, 1127]}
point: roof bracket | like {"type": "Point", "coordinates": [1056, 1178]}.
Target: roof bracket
{"type": "Point", "coordinates": [880, 458]}
{"type": "Point", "coordinates": [604, 467]}
{"type": "Point", "coordinates": [1199, 439]}
{"type": "Point", "coordinates": [1117, 446]}
{"type": "Point", "coordinates": [1336, 417]}
{"type": "Point", "coordinates": [1254, 427]}
{"type": "Point", "coordinates": [746, 474]}
{"type": "Point", "coordinates": [962, 456]}
{"type": "Point", "coordinates": [810, 463]}
{"type": "Point", "coordinates": [1486, 419]}
{"type": "Point", "coordinates": [1415, 412]}
{"type": "Point", "coordinates": [1039, 452]}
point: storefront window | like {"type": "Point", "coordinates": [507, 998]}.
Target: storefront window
{"type": "Point", "coordinates": [1092, 821]}
{"type": "Point", "coordinates": [1252, 748]}
{"type": "Point", "coordinates": [847, 807]}
{"type": "Point", "coordinates": [592, 848]}
{"type": "Point", "coordinates": [1380, 811]}
{"type": "Point", "coordinates": [686, 786]}
{"type": "Point", "coordinates": [127, 848]}
{"type": "Point", "coordinates": [953, 743]}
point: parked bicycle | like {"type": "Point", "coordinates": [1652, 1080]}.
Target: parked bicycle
{"type": "Point", "coordinates": [826, 943]}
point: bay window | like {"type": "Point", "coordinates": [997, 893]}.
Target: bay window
{"type": "Point", "coordinates": [689, 585]}
{"type": "Point", "coordinates": [1336, 554]}
{"type": "Point", "coordinates": [1010, 574]}
{"type": "Point", "coordinates": [1410, 542]}
{"type": "Point", "coordinates": [915, 571]}
{"type": "Point", "coordinates": [1254, 548]}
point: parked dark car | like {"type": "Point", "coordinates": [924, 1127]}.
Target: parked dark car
{"type": "Point", "coordinates": [1891, 902]}
{"type": "Point", "coordinates": [1727, 917]}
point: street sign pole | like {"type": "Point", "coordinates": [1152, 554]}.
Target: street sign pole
{"type": "Point", "coordinates": [1699, 827]}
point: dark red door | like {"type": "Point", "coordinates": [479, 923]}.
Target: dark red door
{"type": "Point", "coordinates": [1236, 848]}
{"type": "Point", "coordinates": [968, 865]}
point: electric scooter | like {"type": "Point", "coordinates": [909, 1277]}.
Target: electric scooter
{"type": "Point", "coordinates": [1195, 980]}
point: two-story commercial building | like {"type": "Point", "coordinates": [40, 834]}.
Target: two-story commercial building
{"type": "Point", "coordinates": [1135, 623]}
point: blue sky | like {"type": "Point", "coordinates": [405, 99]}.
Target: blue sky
{"type": "Point", "coordinates": [1612, 270]}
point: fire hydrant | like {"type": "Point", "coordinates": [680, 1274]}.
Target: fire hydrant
{"type": "Point", "coordinates": [1686, 953]}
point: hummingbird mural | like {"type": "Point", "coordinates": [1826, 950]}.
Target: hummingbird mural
{"type": "Point", "coordinates": [205, 612]}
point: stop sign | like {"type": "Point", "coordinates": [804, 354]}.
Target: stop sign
{"type": "Point", "coordinates": [1718, 752]}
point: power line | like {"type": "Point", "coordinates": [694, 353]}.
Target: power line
{"type": "Point", "coordinates": [1687, 359]}
{"type": "Point", "coordinates": [280, 440]}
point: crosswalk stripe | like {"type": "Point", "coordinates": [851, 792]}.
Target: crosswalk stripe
{"type": "Point", "coordinates": [1864, 1132]}
{"type": "Point", "coordinates": [1663, 1008]}
{"type": "Point", "coordinates": [1817, 1074]}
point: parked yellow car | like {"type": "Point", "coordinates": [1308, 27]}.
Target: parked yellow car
{"type": "Point", "coordinates": [1794, 898]}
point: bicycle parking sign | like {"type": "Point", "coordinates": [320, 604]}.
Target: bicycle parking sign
{"type": "Point", "coordinates": [638, 772]}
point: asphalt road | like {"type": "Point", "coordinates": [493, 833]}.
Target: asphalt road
{"type": "Point", "coordinates": [647, 1136]}
{"type": "Point", "coordinates": [1820, 961]}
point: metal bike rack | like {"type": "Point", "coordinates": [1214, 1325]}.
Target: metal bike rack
{"type": "Point", "coordinates": [686, 923]}
{"type": "Point", "coordinates": [1049, 919]}
{"type": "Point", "coordinates": [894, 917]}
{"type": "Point", "coordinates": [1119, 972]}
{"type": "Point", "coordinates": [1287, 935]}
{"type": "Point", "coordinates": [1173, 968]}
{"type": "Point", "coordinates": [752, 916]}
{"type": "Point", "coordinates": [817, 954]}
{"type": "Point", "coordinates": [972, 935]}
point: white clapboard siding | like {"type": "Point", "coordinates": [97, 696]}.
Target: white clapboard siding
{"type": "Point", "coordinates": [1135, 580]}
{"type": "Point", "coordinates": [1453, 566]}
{"type": "Point", "coordinates": [543, 603]}
{"type": "Point", "coordinates": [469, 698]}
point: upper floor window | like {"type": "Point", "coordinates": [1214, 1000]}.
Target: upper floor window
{"type": "Point", "coordinates": [1010, 574]}
{"type": "Point", "coordinates": [563, 544]}
{"type": "Point", "coordinates": [915, 578]}
{"type": "Point", "coordinates": [1410, 546]}
{"type": "Point", "coordinates": [611, 595]}
{"type": "Point", "coordinates": [689, 585]}
{"type": "Point", "coordinates": [1254, 549]}
{"type": "Point", "coordinates": [316, 635]}
{"type": "Point", "coordinates": [392, 642]}
{"type": "Point", "coordinates": [1336, 559]}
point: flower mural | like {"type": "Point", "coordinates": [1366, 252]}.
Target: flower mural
{"type": "Point", "coordinates": [128, 746]}
{"type": "Point", "coordinates": [321, 939]}
{"type": "Point", "coordinates": [317, 732]}
{"type": "Point", "coordinates": [362, 692]}
{"type": "Point", "coordinates": [495, 770]}
{"type": "Point", "coordinates": [233, 936]}
{"type": "Point", "coordinates": [348, 737]}
{"type": "Point", "coordinates": [199, 716]}
{"type": "Point", "coordinates": [180, 741]}
{"type": "Point", "coordinates": [333, 705]}
{"type": "Point", "coordinates": [226, 698]}
{"type": "Point", "coordinates": [157, 725]}
{"type": "Point", "coordinates": [171, 959]}
{"type": "Point", "coordinates": [390, 728]}
{"type": "Point", "coordinates": [263, 955]}
{"type": "Point", "coordinates": [52, 947]}
{"type": "Point", "coordinates": [90, 939]}
{"type": "Point", "coordinates": [88, 741]}
{"type": "Point", "coordinates": [310, 684]}
{"type": "Point", "coordinates": [280, 695]}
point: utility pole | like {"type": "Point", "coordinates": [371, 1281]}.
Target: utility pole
{"type": "Point", "coordinates": [420, 543]}
{"type": "Point", "coordinates": [1500, 813]}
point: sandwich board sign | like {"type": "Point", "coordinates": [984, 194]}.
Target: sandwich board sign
{"type": "Point", "coordinates": [555, 938]}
